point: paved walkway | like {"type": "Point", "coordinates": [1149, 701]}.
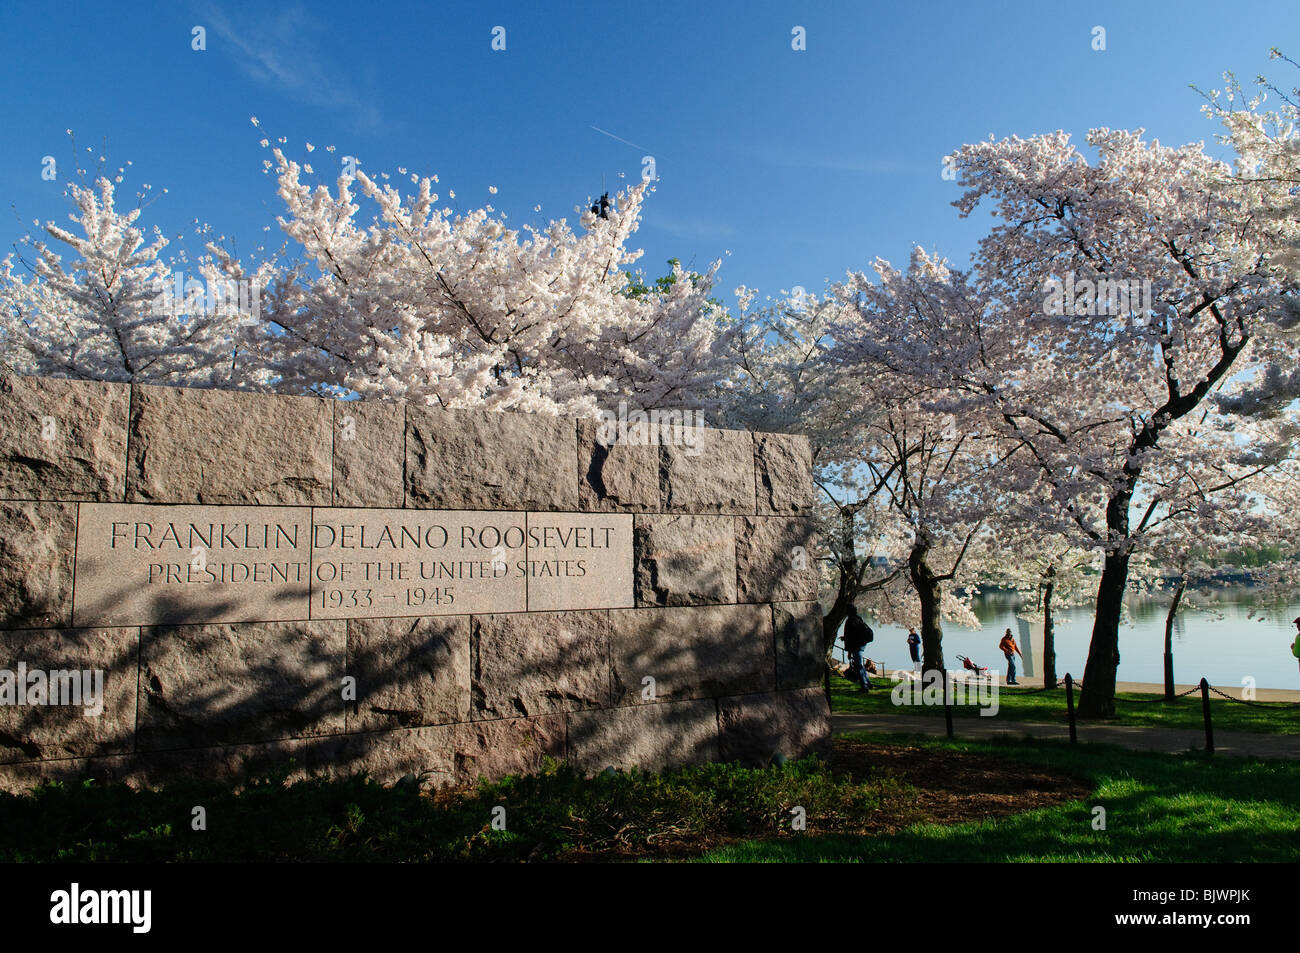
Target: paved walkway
{"type": "Point", "coordinates": [1152, 688]}
{"type": "Point", "coordinates": [1170, 740]}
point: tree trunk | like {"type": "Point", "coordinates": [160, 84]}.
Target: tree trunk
{"type": "Point", "coordinates": [848, 591]}
{"type": "Point", "coordinates": [1169, 637]}
{"type": "Point", "coordinates": [1049, 631]}
{"type": "Point", "coordinates": [839, 611]}
{"type": "Point", "coordinates": [929, 592]}
{"type": "Point", "coordinates": [1098, 697]}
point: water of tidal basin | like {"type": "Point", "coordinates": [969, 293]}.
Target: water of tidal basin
{"type": "Point", "coordinates": [1242, 639]}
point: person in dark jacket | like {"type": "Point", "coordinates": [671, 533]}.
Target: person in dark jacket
{"type": "Point", "coordinates": [856, 636]}
{"type": "Point", "coordinates": [914, 646]}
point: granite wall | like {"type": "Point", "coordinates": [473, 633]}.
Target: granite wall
{"type": "Point", "coordinates": [389, 588]}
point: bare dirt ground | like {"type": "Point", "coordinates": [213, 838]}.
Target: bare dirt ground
{"type": "Point", "coordinates": [949, 786]}
{"type": "Point", "coordinates": [916, 785]}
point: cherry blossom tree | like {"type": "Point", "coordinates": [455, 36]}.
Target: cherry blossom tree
{"type": "Point", "coordinates": [1141, 305]}
{"type": "Point", "coordinates": [1278, 578]}
{"type": "Point", "coordinates": [787, 378]}
{"type": "Point", "coordinates": [782, 381]}
{"type": "Point", "coordinates": [460, 310]}
{"type": "Point", "coordinates": [942, 475]}
{"type": "Point", "coordinates": [456, 310]}
{"type": "Point", "coordinates": [110, 312]}
{"type": "Point", "coordinates": [1267, 173]}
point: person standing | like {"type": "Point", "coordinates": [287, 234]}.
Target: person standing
{"type": "Point", "coordinates": [1295, 646]}
{"type": "Point", "coordinates": [856, 636]}
{"type": "Point", "coordinates": [1009, 651]}
{"type": "Point", "coordinates": [914, 646]}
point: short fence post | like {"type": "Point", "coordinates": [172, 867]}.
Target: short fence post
{"type": "Point", "coordinates": [1069, 706]}
{"type": "Point", "coordinates": [1205, 710]}
{"type": "Point", "coordinates": [947, 703]}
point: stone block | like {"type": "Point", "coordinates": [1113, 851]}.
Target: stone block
{"type": "Point", "coordinates": [461, 459]}
{"type": "Point", "coordinates": [62, 439]}
{"type": "Point", "coordinates": [409, 672]}
{"type": "Point", "coordinates": [753, 728]}
{"type": "Point", "coordinates": [620, 477]}
{"type": "Point", "coordinates": [774, 559]}
{"type": "Point", "coordinates": [537, 663]}
{"type": "Point", "coordinates": [783, 474]}
{"type": "Point", "coordinates": [652, 737]}
{"type": "Point", "coordinates": [714, 473]}
{"type": "Point", "coordinates": [369, 453]}
{"type": "Point", "coordinates": [231, 766]}
{"type": "Point", "coordinates": [385, 756]}
{"type": "Point", "coordinates": [210, 446]}
{"type": "Point", "coordinates": [691, 652]}
{"type": "Point", "coordinates": [800, 652]}
{"type": "Point", "coordinates": [20, 778]}
{"type": "Point", "coordinates": [685, 560]}
{"type": "Point", "coordinates": [67, 693]}
{"type": "Point", "coordinates": [203, 685]}
{"type": "Point", "coordinates": [509, 746]}
{"type": "Point", "coordinates": [37, 544]}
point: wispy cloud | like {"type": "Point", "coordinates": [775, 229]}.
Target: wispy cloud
{"type": "Point", "coordinates": [691, 226]}
{"type": "Point", "coordinates": [813, 161]}
{"type": "Point", "coordinates": [276, 50]}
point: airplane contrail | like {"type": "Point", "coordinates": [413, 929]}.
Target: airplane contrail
{"type": "Point", "coordinates": [619, 138]}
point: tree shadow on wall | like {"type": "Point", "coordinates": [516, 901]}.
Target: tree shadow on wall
{"type": "Point", "coordinates": [208, 698]}
{"type": "Point", "coordinates": [218, 701]}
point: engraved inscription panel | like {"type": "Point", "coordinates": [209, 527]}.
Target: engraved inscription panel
{"type": "Point", "coordinates": [579, 561]}
{"type": "Point", "coordinates": [140, 564]}
{"type": "Point", "coordinates": [370, 562]}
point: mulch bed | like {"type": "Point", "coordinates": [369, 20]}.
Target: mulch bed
{"type": "Point", "coordinates": [947, 787]}
{"type": "Point", "coordinates": [923, 786]}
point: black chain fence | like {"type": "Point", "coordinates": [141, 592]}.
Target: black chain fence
{"type": "Point", "coordinates": [1204, 688]}
{"type": "Point", "coordinates": [1160, 698]}
{"type": "Point", "coordinates": [1069, 684]}
{"type": "Point", "coordinates": [1035, 691]}
{"type": "Point", "coordinates": [1151, 701]}
{"type": "Point", "coordinates": [1253, 704]}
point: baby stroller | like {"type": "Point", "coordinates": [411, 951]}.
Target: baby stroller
{"type": "Point", "coordinates": [979, 671]}
{"type": "Point", "coordinates": [850, 671]}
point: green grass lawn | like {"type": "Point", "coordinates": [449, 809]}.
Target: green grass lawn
{"type": "Point", "coordinates": [547, 816]}
{"type": "Point", "coordinates": [877, 802]}
{"type": "Point", "coordinates": [1158, 808]}
{"type": "Point", "coordinates": [1049, 706]}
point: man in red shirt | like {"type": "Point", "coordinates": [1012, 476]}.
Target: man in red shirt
{"type": "Point", "coordinates": [1010, 650]}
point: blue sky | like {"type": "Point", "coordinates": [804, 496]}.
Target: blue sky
{"type": "Point", "coordinates": [801, 164]}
